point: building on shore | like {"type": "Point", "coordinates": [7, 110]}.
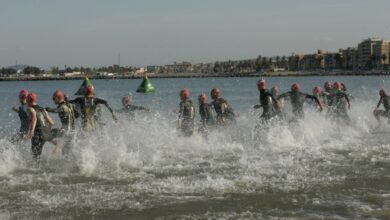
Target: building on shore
{"type": "Point", "coordinates": [183, 67]}
{"type": "Point", "coordinates": [350, 58]}
{"type": "Point", "coordinates": [373, 53]}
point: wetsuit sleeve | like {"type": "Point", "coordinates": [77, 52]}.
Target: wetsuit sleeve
{"type": "Point", "coordinates": [379, 103]}
{"type": "Point", "coordinates": [313, 98]}
{"type": "Point", "coordinates": [53, 110]}
{"type": "Point", "coordinates": [346, 97]}
{"type": "Point", "coordinates": [76, 101]}
{"type": "Point", "coordinates": [104, 102]}
{"type": "Point", "coordinates": [284, 95]}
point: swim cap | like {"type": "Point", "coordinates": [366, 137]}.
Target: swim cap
{"type": "Point", "coordinates": [261, 84]}
{"type": "Point", "coordinates": [126, 100]}
{"type": "Point", "coordinates": [90, 90]}
{"type": "Point", "coordinates": [202, 97]}
{"type": "Point", "coordinates": [337, 85]}
{"type": "Point", "coordinates": [295, 87]}
{"type": "Point", "coordinates": [215, 93]}
{"type": "Point", "coordinates": [317, 89]}
{"type": "Point", "coordinates": [185, 93]}
{"type": "Point", "coordinates": [32, 97]}
{"type": "Point", "coordinates": [59, 96]}
{"type": "Point", "coordinates": [23, 94]}
{"type": "Point", "coordinates": [328, 85]}
{"type": "Point", "coordinates": [382, 92]}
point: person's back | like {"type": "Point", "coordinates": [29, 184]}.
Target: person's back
{"type": "Point", "coordinates": [207, 114]}
{"type": "Point", "coordinates": [298, 99]}
{"type": "Point", "coordinates": [340, 103]}
{"type": "Point", "coordinates": [223, 110]}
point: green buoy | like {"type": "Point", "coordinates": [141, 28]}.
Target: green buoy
{"type": "Point", "coordinates": [83, 88]}
{"type": "Point", "coordinates": [146, 86]}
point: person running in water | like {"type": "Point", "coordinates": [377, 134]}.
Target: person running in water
{"type": "Point", "coordinates": [321, 95]}
{"type": "Point", "coordinates": [207, 115]}
{"type": "Point", "coordinates": [267, 101]}
{"type": "Point", "coordinates": [67, 114]}
{"type": "Point", "coordinates": [225, 114]}
{"type": "Point", "coordinates": [340, 103]}
{"type": "Point", "coordinates": [186, 113]}
{"type": "Point", "coordinates": [277, 106]}
{"type": "Point", "coordinates": [328, 90]}
{"type": "Point", "coordinates": [87, 106]}
{"type": "Point", "coordinates": [298, 99]}
{"type": "Point", "coordinates": [40, 126]}
{"type": "Point", "coordinates": [385, 100]}
{"type": "Point", "coordinates": [129, 109]}
{"type": "Point", "coordinates": [22, 113]}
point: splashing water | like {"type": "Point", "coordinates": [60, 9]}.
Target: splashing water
{"type": "Point", "coordinates": [143, 169]}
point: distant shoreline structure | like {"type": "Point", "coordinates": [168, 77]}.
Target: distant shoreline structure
{"type": "Point", "coordinates": [203, 75]}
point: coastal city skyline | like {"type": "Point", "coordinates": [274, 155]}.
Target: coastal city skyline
{"type": "Point", "coordinates": [93, 34]}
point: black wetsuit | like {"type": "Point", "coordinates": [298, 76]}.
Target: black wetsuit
{"type": "Point", "coordinates": [186, 117]}
{"type": "Point", "coordinates": [386, 104]}
{"type": "Point", "coordinates": [224, 112]}
{"type": "Point", "coordinates": [340, 102]}
{"type": "Point", "coordinates": [88, 108]}
{"type": "Point", "coordinates": [129, 110]}
{"type": "Point", "coordinates": [24, 120]}
{"type": "Point", "coordinates": [42, 132]}
{"type": "Point", "coordinates": [268, 103]}
{"type": "Point", "coordinates": [297, 101]}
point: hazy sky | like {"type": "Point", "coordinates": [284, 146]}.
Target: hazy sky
{"type": "Point", "coordinates": [92, 33]}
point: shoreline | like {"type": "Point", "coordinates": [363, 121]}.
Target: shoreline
{"type": "Point", "coordinates": [202, 75]}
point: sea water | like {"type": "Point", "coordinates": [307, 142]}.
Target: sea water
{"type": "Point", "coordinates": [143, 169]}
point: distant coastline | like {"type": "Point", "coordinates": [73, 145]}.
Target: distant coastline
{"type": "Point", "coordinates": [204, 75]}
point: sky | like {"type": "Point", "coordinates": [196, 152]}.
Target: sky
{"type": "Point", "coordinates": [92, 33]}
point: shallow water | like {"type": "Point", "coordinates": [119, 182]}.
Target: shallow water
{"type": "Point", "coordinates": [143, 169]}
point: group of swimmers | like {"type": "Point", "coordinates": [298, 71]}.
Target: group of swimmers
{"type": "Point", "coordinates": [36, 123]}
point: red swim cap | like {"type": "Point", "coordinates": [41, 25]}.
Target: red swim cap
{"type": "Point", "coordinates": [32, 97]}
{"type": "Point", "coordinates": [317, 89]}
{"type": "Point", "coordinates": [126, 100]}
{"type": "Point", "coordinates": [90, 90]}
{"type": "Point", "coordinates": [185, 93]}
{"type": "Point", "coordinates": [202, 97]}
{"type": "Point", "coordinates": [59, 96]}
{"type": "Point", "coordinates": [382, 92]}
{"type": "Point", "coordinates": [215, 93]}
{"type": "Point", "coordinates": [337, 85]}
{"type": "Point", "coordinates": [295, 87]}
{"type": "Point", "coordinates": [23, 94]}
{"type": "Point", "coordinates": [261, 84]}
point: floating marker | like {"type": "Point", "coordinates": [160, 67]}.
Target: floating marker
{"type": "Point", "coordinates": [83, 88]}
{"type": "Point", "coordinates": [146, 86]}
